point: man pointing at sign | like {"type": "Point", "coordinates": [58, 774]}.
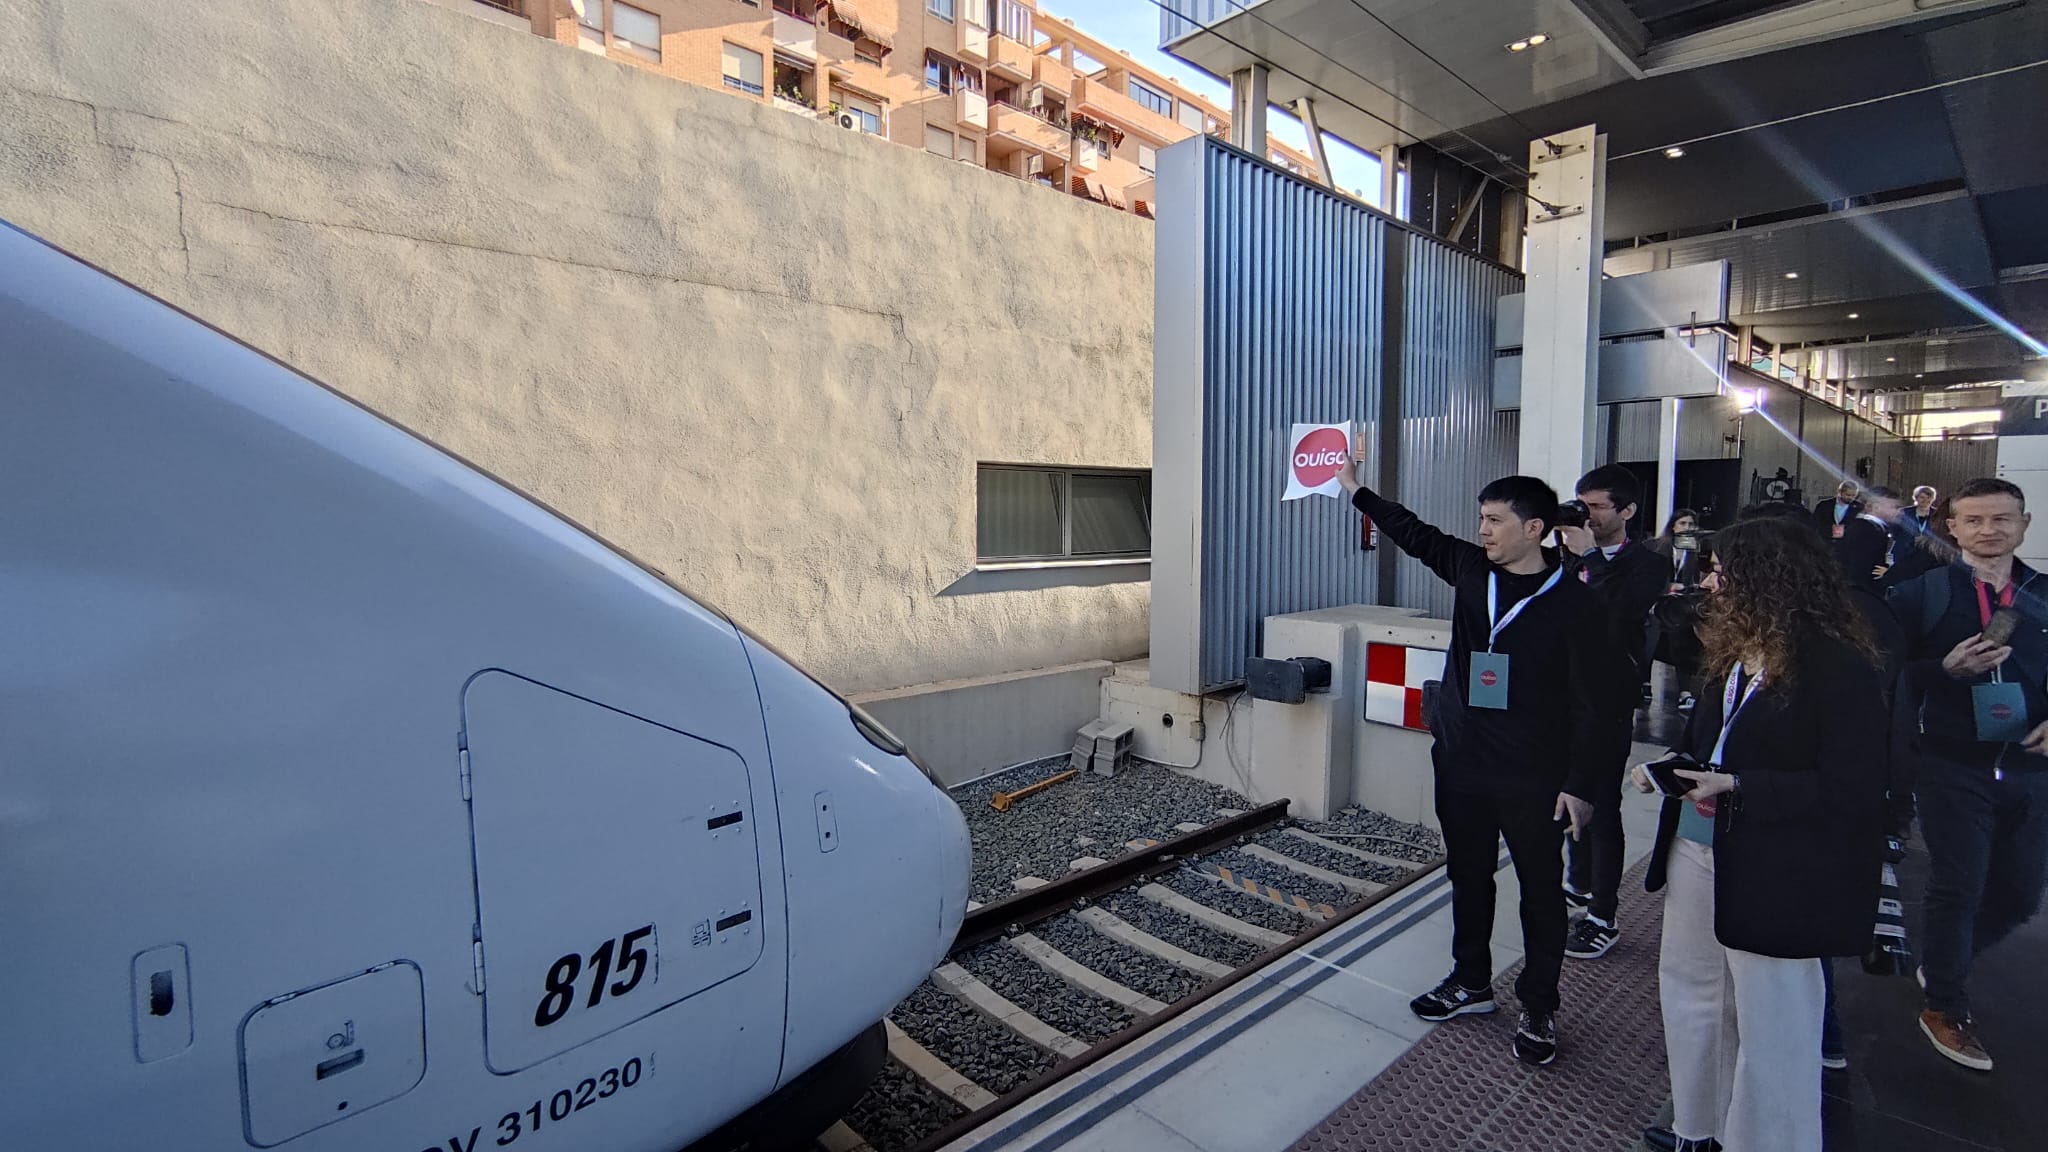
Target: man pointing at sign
{"type": "Point", "coordinates": [1519, 707]}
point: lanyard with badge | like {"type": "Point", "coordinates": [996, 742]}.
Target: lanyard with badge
{"type": "Point", "coordinates": [2001, 707]}
{"type": "Point", "coordinates": [1730, 709]}
{"type": "Point", "coordinates": [1487, 685]}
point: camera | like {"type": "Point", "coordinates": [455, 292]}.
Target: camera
{"type": "Point", "coordinates": [1571, 514]}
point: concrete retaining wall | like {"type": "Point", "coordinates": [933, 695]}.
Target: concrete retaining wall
{"type": "Point", "coordinates": [962, 729]}
{"type": "Point", "coordinates": [759, 352]}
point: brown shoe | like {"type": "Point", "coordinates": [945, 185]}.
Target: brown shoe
{"type": "Point", "coordinates": [1956, 1038]}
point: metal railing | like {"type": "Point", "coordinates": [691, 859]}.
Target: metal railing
{"type": "Point", "coordinates": [514, 7]}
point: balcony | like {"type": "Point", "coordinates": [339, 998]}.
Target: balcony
{"type": "Point", "coordinates": [511, 13]}
{"type": "Point", "coordinates": [1030, 131]}
{"type": "Point", "coordinates": [1049, 71]}
{"type": "Point", "coordinates": [1111, 104]}
{"type": "Point", "coordinates": [973, 40]}
{"type": "Point", "coordinates": [1085, 158]}
{"type": "Point", "coordinates": [1009, 59]}
{"type": "Point", "coordinates": [971, 108]}
{"type": "Point", "coordinates": [796, 36]}
{"type": "Point", "coordinates": [834, 48]}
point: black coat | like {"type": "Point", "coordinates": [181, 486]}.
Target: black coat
{"type": "Point", "coordinates": [1628, 587]}
{"type": "Point", "coordinates": [1797, 849]}
{"type": "Point", "coordinates": [1947, 715]}
{"type": "Point", "coordinates": [1558, 725]}
{"type": "Point", "coordinates": [1824, 515]}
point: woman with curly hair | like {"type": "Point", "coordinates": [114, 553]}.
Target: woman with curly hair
{"type": "Point", "coordinates": [1771, 860]}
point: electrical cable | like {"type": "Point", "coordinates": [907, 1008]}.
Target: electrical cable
{"type": "Point", "coordinates": [1165, 6]}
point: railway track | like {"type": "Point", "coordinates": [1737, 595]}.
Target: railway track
{"type": "Point", "coordinates": [1068, 969]}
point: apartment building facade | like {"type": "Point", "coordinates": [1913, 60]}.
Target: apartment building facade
{"type": "Point", "coordinates": [995, 83]}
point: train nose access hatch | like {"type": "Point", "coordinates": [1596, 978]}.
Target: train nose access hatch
{"type": "Point", "coordinates": [616, 870]}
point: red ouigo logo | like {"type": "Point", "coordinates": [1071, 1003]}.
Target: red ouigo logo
{"type": "Point", "coordinates": [2001, 712]}
{"type": "Point", "coordinates": [1319, 455]}
{"type": "Point", "coordinates": [1488, 679]}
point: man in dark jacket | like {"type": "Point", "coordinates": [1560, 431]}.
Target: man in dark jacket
{"type": "Point", "coordinates": [1831, 516]}
{"type": "Point", "coordinates": [1982, 780]}
{"type": "Point", "coordinates": [1628, 578]}
{"type": "Point", "coordinates": [1515, 729]}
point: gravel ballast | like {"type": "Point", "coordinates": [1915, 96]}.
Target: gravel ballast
{"type": "Point", "coordinates": [970, 1043]}
{"type": "Point", "coordinates": [1178, 930]}
{"type": "Point", "coordinates": [1376, 832]}
{"type": "Point", "coordinates": [1275, 876]}
{"type": "Point", "coordinates": [1330, 859]}
{"type": "Point", "coordinates": [1020, 980]}
{"type": "Point", "coordinates": [899, 1110]}
{"type": "Point", "coordinates": [1243, 905]}
{"type": "Point", "coordinates": [1129, 967]}
{"type": "Point", "coordinates": [1040, 835]}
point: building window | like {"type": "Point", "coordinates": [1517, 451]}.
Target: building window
{"type": "Point", "coordinates": [1191, 116]}
{"type": "Point", "coordinates": [590, 14]}
{"type": "Point", "coordinates": [637, 30]}
{"type": "Point", "coordinates": [965, 150]}
{"type": "Point", "coordinates": [938, 72]}
{"type": "Point", "coordinates": [938, 141]}
{"type": "Point", "coordinates": [1062, 514]}
{"type": "Point", "coordinates": [1148, 159]}
{"type": "Point", "coordinates": [1151, 97]}
{"type": "Point", "coordinates": [867, 112]}
{"type": "Point", "coordinates": [1014, 21]}
{"type": "Point", "coordinates": [943, 9]}
{"type": "Point", "coordinates": [976, 12]}
{"type": "Point", "coordinates": [743, 69]}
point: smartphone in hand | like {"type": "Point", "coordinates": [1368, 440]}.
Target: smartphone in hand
{"type": "Point", "coordinates": [1665, 778]}
{"type": "Point", "coordinates": [2004, 622]}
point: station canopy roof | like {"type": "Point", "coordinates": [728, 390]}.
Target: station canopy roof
{"type": "Point", "coordinates": [1876, 171]}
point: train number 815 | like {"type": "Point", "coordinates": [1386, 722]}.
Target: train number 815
{"type": "Point", "coordinates": [627, 952]}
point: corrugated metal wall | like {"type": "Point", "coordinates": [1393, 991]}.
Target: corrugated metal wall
{"type": "Point", "coordinates": [1291, 334]}
{"type": "Point", "coordinates": [1945, 464]}
{"type": "Point", "coordinates": [1452, 440]}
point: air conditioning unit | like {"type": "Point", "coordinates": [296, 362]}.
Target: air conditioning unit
{"type": "Point", "coordinates": [847, 121]}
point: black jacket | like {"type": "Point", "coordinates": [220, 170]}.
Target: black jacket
{"type": "Point", "coordinates": [1550, 737]}
{"type": "Point", "coordinates": [1947, 714]}
{"type": "Point", "coordinates": [1797, 848]}
{"type": "Point", "coordinates": [1824, 515]}
{"type": "Point", "coordinates": [1628, 587]}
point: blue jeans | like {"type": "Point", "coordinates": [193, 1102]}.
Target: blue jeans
{"type": "Point", "coordinates": [1987, 849]}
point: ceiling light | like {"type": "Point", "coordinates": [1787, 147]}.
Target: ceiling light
{"type": "Point", "coordinates": [1519, 46]}
{"type": "Point", "coordinates": [1791, 275]}
{"type": "Point", "coordinates": [1855, 315]}
{"type": "Point", "coordinates": [1539, 38]}
{"type": "Point", "coordinates": [1673, 152]}
{"type": "Point", "coordinates": [1891, 359]}
{"type": "Point", "coordinates": [1919, 375]}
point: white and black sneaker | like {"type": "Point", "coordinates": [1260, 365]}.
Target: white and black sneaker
{"type": "Point", "coordinates": [1451, 998]}
{"type": "Point", "coordinates": [1590, 938]}
{"type": "Point", "coordinates": [1573, 898]}
{"type": "Point", "coordinates": [1536, 1037]}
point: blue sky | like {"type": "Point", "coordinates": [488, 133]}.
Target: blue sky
{"type": "Point", "coordinates": [1133, 25]}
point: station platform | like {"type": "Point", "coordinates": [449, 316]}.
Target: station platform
{"type": "Point", "coordinates": [1319, 1053]}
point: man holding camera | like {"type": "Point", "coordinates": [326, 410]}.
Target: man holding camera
{"type": "Point", "coordinates": [1512, 724]}
{"type": "Point", "coordinates": [1627, 578]}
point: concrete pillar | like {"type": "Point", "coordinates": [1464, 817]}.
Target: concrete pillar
{"type": "Point", "coordinates": [1561, 341]}
{"type": "Point", "coordinates": [1667, 462]}
{"type": "Point", "coordinates": [1248, 102]}
{"type": "Point", "coordinates": [1390, 179]}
